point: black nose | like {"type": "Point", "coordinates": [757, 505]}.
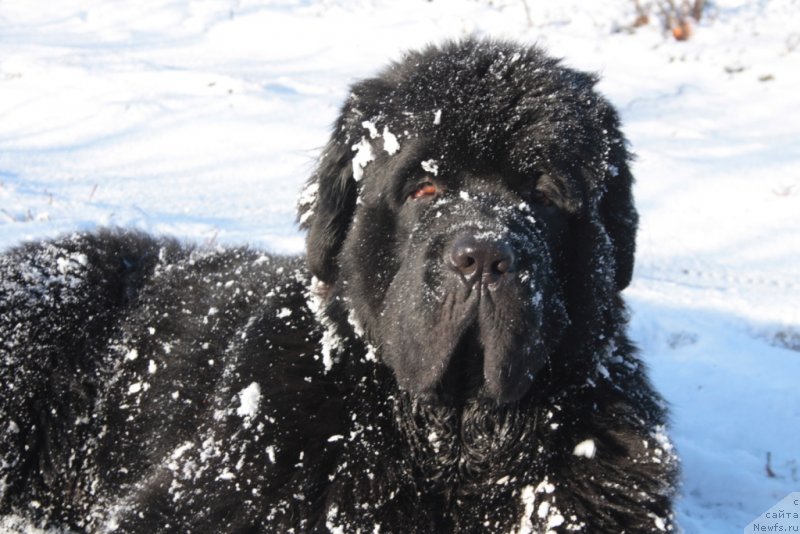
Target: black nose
{"type": "Point", "coordinates": [487, 260]}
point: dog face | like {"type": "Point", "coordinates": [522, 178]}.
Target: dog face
{"type": "Point", "coordinates": [473, 209]}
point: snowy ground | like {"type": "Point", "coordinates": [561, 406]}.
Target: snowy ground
{"type": "Point", "coordinates": [202, 118]}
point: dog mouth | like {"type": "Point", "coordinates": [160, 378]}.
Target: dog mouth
{"type": "Point", "coordinates": [463, 379]}
{"type": "Point", "coordinates": [474, 371]}
{"type": "Point", "coordinates": [452, 343]}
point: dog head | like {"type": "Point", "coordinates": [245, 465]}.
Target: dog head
{"type": "Point", "coordinates": [473, 208]}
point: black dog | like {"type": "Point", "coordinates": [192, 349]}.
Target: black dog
{"type": "Point", "coordinates": [453, 357]}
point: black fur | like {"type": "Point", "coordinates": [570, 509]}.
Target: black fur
{"type": "Point", "coordinates": [151, 387]}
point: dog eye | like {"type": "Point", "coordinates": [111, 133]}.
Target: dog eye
{"type": "Point", "coordinates": [541, 198]}
{"type": "Point", "coordinates": [545, 191]}
{"type": "Point", "coordinates": [426, 189]}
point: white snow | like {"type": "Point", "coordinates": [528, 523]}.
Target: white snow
{"type": "Point", "coordinates": [13, 524]}
{"type": "Point", "coordinates": [431, 166]}
{"type": "Point", "coordinates": [249, 399]}
{"type": "Point", "coordinates": [555, 520]}
{"type": "Point", "coordinates": [307, 200]}
{"type": "Point", "coordinates": [373, 130]}
{"type": "Point", "coordinates": [362, 157]}
{"type": "Point", "coordinates": [433, 439]}
{"type": "Point", "coordinates": [544, 509]}
{"type": "Point", "coordinates": [528, 498]}
{"type": "Point", "coordinates": [226, 475]}
{"type": "Point", "coordinates": [355, 323]}
{"type": "Point", "coordinates": [202, 120]}
{"type": "Point", "coordinates": [178, 452]}
{"type": "Point", "coordinates": [586, 448]}
{"type": "Point", "coordinates": [331, 342]}
{"type": "Point", "coordinates": [659, 522]}
{"type": "Point", "coordinates": [545, 486]}
{"type": "Point", "coordinates": [390, 143]}
{"type": "Point", "coordinates": [333, 511]}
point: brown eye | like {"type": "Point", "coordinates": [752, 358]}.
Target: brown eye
{"type": "Point", "coordinates": [424, 190]}
{"type": "Point", "coordinates": [541, 198]}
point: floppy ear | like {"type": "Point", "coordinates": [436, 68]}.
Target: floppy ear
{"type": "Point", "coordinates": [616, 206]}
{"type": "Point", "coordinates": [326, 206]}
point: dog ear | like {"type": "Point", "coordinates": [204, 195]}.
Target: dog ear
{"type": "Point", "coordinates": [326, 206]}
{"type": "Point", "coordinates": [616, 205]}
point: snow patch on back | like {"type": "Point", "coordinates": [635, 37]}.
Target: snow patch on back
{"type": "Point", "coordinates": [331, 343]}
{"type": "Point", "coordinates": [249, 400]}
{"type": "Point", "coordinates": [14, 523]}
{"type": "Point", "coordinates": [528, 499]}
{"type": "Point", "coordinates": [586, 448]}
{"type": "Point", "coordinates": [71, 264]}
{"type": "Point", "coordinates": [330, 517]}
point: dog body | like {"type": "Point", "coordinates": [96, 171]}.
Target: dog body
{"type": "Point", "coordinates": [449, 357]}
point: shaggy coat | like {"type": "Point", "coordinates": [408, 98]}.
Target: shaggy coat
{"type": "Point", "coordinates": [450, 355]}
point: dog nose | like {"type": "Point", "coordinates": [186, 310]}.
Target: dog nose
{"type": "Point", "coordinates": [487, 260]}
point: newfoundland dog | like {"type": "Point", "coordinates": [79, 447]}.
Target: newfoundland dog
{"type": "Point", "coordinates": [450, 355]}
